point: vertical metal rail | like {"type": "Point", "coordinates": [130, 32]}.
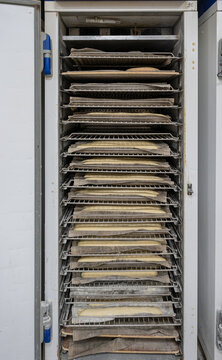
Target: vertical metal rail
{"type": "Point", "coordinates": [52, 184]}
{"type": "Point", "coordinates": [190, 177]}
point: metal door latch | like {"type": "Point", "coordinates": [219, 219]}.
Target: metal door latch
{"type": "Point", "coordinates": [219, 330]}
{"type": "Point", "coordinates": [189, 189]}
{"type": "Point", "coordinates": [46, 54]}
{"type": "Point", "coordinates": [46, 317]}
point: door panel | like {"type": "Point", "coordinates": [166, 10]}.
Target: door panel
{"type": "Point", "coordinates": [20, 167]}
{"type": "Point", "coordinates": [218, 193]}
{"type": "Point", "coordinates": [210, 179]}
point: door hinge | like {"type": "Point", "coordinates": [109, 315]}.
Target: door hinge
{"type": "Point", "coordinates": [219, 330]}
{"type": "Point", "coordinates": [46, 321]}
{"type": "Point", "coordinates": [46, 54]}
{"type": "Point", "coordinates": [189, 189]}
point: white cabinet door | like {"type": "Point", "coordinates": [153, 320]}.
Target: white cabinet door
{"type": "Point", "coordinates": [20, 104]}
{"type": "Point", "coordinates": [210, 180]}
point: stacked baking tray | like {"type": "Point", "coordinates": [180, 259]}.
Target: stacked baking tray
{"type": "Point", "coordinates": [121, 205]}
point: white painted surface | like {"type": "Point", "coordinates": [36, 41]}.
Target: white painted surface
{"type": "Point", "coordinates": [218, 192]}
{"type": "Point", "coordinates": [190, 176]}
{"type": "Point", "coordinates": [17, 182]}
{"type": "Point", "coordinates": [51, 184]}
{"type": "Point", "coordinates": [210, 179]}
{"type": "Point", "coordinates": [120, 7]}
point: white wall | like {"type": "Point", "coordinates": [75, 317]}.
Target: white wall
{"type": "Point", "coordinates": [17, 182]}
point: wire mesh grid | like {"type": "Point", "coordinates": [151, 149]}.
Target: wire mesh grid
{"type": "Point", "coordinates": [171, 201]}
{"type": "Point", "coordinates": [70, 169]}
{"type": "Point", "coordinates": [117, 136]}
{"type": "Point", "coordinates": [70, 184]}
{"type": "Point", "coordinates": [66, 320]}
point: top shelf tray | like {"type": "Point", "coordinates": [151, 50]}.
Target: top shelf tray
{"type": "Point", "coordinates": [124, 42]}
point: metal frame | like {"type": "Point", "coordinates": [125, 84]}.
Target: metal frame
{"type": "Point", "coordinates": [187, 10]}
{"type": "Point", "coordinates": [52, 184]}
{"type": "Point", "coordinates": [83, 7]}
{"type": "Point", "coordinates": [190, 176]}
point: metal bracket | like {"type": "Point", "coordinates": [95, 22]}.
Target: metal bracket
{"type": "Point", "coordinates": [64, 255]}
{"type": "Point", "coordinates": [219, 330]}
{"type": "Point", "coordinates": [189, 189]}
{"type": "Point", "coordinates": [64, 270]}
{"type": "Point", "coordinates": [219, 74]}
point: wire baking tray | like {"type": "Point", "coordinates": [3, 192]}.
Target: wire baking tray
{"type": "Point", "coordinates": [67, 219]}
{"type": "Point", "coordinates": [130, 267]}
{"type": "Point", "coordinates": [83, 102]}
{"type": "Point", "coordinates": [172, 154]}
{"type": "Point", "coordinates": [65, 320]}
{"type": "Point", "coordinates": [67, 253]}
{"type": "Point", "coordinates": [93, 57]}
{"type": "Point", "coordinates": [69, 169]}
{"type": "Point", "coordinates": [169, 249]}
{"type": "Point", "coordinates": [138, 274]}
{"type": "Point", "coordinates": [157, 237]}
{"type": "Point", "coordinates": [128, 293]}
{"type": "Point", "coordinates": [128, 221]}
{"type": "Point", "coordinates": [123, 90]}
{"type": "Point", "coordinates": [69, 184]}
{"type": "Point", "coordinates": [171, 201]}
{"type": "Point", "coordinates": [120, 162]}
{"type": "Point", "coordinates": [127, 105]}
{"type": "Point", "coordinates": [151, 301]}
{"type": "Point", "coordinates": [115, 261]}
{"type": "Point", "coordinates": [85, 136]}
{"type": "Point", "coordinates": [101, 75]}
{"type": "Point", "coordinates": [84, 334]}
{"type": "Point", "coordinates": [102, 93]}
{"type": "Point", "coordinates": [117, 195]}
{"type": "Point", "coordinates": [107, 181]}
{"type": "Point", "coordinates": [121, 288]}
{"type": "Point", "coordinates": [112, 121]}
{"type": "Point", "coordinates": [113, 116]}
{"type": "Point", "coordinates": [170, 234]}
